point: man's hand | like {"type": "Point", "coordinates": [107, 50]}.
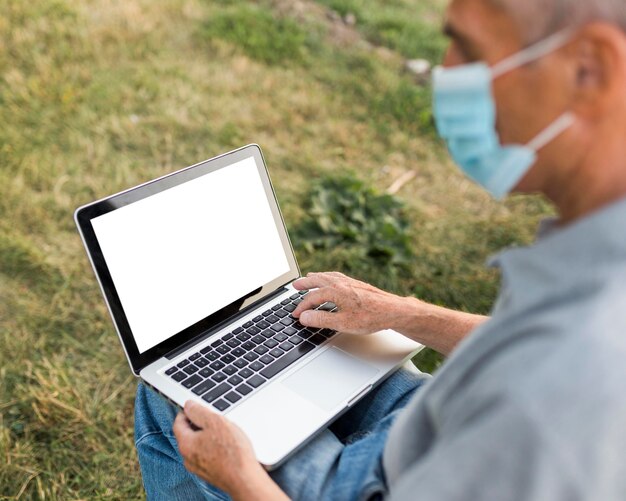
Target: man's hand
{"type": "Point", "coordinates": [220, 453]}
{"type": "Point", "coordinates": [362, 308]}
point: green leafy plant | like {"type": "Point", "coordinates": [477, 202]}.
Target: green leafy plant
{"type": "Point", "coordinates": [355, 225]}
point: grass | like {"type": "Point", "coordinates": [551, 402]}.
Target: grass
{"type": "Point", "coordinates": [99, 95]}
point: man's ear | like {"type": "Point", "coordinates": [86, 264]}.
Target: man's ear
{"type": "Point", "coordinates": [598, 69]}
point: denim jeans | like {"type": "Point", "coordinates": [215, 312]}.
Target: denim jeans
{"type": "Point", "coordinates": [342, 462]}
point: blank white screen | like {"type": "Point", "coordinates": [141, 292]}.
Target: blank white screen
{"type": "Point", "coordinates": [182, 254]}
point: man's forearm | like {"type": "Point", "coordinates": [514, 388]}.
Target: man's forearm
{"type": "Point", "coordinates": [438, 328]}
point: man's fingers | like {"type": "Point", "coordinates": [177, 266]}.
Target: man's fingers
{"type": "Point", "coordinates": [313, 299]}
{"type": "Point", "coordinates": [183, 432]}
{"type": "Point", "coordinates": [313, 281]}
{"type": "Point", "coordinates": [199, 415]}
{"type": "Point", "coordinates": [320, 319]}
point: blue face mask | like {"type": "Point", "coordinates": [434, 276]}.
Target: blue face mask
{"type": "Point", "coordinates": [465, 114]}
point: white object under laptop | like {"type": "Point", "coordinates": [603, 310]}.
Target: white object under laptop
{"type": "Point", "coordinates": [196, 268]}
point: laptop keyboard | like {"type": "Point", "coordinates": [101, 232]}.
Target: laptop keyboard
{"type": "Point", "coordinates": [240, 362]}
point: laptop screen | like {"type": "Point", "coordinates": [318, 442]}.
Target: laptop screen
{"type": "Point", "coordinates": [182, 254]}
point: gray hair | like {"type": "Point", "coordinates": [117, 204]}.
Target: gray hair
{"type": "Point", "coordinates": [539, 18]}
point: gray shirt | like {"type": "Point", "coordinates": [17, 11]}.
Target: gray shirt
{"type": "Point", "coordinates": [531, 405]}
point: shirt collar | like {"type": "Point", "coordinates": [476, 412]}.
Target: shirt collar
{"type": "Point", "coordinates": [597, 238]}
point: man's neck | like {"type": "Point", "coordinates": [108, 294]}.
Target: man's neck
{"type": "Point", "coordinates": [599, 180]}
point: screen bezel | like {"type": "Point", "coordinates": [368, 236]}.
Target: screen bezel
{"type": "Point", "coordinates": [84, 215]}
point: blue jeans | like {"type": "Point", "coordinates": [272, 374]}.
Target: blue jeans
{"type": "Point", "coordinates": [342, 462]}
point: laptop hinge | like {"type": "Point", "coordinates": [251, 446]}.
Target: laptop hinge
{"type": "Point", "coordinates": [201, 337]}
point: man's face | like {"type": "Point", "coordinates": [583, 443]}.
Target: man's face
{"type": "Point", "coordinates": [528, 99]}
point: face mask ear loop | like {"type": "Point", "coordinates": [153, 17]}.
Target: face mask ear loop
{"type": "Point", "coordinates": [554, 130]}
{"type": "Point", "coordinates": [532, 53]}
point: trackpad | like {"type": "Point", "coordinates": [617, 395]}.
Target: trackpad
{"type": "Point", "coordinates": [330, 379]}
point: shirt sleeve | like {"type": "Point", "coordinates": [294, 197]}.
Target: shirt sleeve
{"type": "Point", "coordinates": [502, 454]}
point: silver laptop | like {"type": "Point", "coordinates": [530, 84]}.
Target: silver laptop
{"type": "Point", "coordinates": [196, 268]}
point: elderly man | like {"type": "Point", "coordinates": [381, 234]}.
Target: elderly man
{"type": "Point", "coordinates": [531, 404]}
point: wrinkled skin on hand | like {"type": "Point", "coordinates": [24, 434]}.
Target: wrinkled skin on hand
{"type": "Point", "coordinates": [219, 452]}
{"type": "Point", "coordinates": [362, 308]}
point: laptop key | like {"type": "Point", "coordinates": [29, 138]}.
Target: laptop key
{"type": "Point", "coordinates": [206, 372]}
{"type": "Point", "coordinates": [327, 333]}
{"type": "Point", "coordinates": [240, 363]}
{"type": "Point", "coordinates": [244, 389]}
{"type": "Point", "coordinates": [266, 359]}
{"type": "Point", "coordinates": [270, 343]}
{"type": "Point", "coordinates": [195, 356]}
{"type": "Point", "coordinates": [206, 349]}
{"type": "Point", "coordinates": [232, 397]}
{"type": "Point", "coordinates": [223, 349]}
{"type": "Point", "coordinates": [203, 387]}
{"type": "Point", "coordinates": [216, 343]}
{"type": "Point", "coordinates": [280, 337]}
{"type": "Point", "coordinates": [290, 331]}
{"type": "Point", "coordinates": [190, 369]}
{"type": "Point", "coordinates": [253, 330]}
{"type": "Point", "coordinates": [267, 313]}
{"type": "Point", "coordinates": [248, 345]}
{"type": "Point", "coordinates": [235, 380]}
{"type": "Point", "coordinates": [202, 362]}
{"type": "Point", "coordinates": [233, 343]}
{"type": "Point", "coordinates": [227, 337]}
{"type": "Point", "coordinates": [246, 373]}
{"type": "Point", "coordinates": [212, 356]}
{"type": "Point", "coordinates": [284, 362]}
{"type": "Point", "coordinates": [258, 339]}
{"type": "Point", "coordinates": [317, 339]}
{"type": "Point", "coordinates": [285, 301]}
{"type": "Point", "coordinates": [221, 405]}
{"type": "Point", "coordinates": [256, 366]}
{"type": "Point", "coordinates": [256, 381]}
{"type": "Point", "coordinates": [257, 318]}
{"type": "Point", "coordinates": [191, 381]}
{"type": "Point", "coordinates": [328, 306]}
{"type": "Point", "coordinates": [294, 296]}
{"type": "Point", "coordinates": [296, 302]}
{"type": "Point", "coordinates": [268, 333]}
{"type": "Point", "coordinates": [171, 370]}
{"type": "Point", "coordinates": [261, 350]}
{"type": "Point", "coordinates": [216, 392]}
{"type": "Point", "coordinates": [230, 370]}
{"type": "Point", "coordinates": [238, 352]}
{"type": "Point", "coordinates": [218, 377]}
{"type": "Point", "coordinates": [278, 327]}
{"type": "Point", "coordinates": [286, 346]}
{"type": "Point", "coordinates": [295, 340]}
{"type": "Point", "coordinates": [247, 324]}
{"type": "Point", "coordinates": [251, 357]}
{"type": "Point", "coordinates": [227, 359]}
{"type": "Point", "coordinates": [244, 336]}
{"type": "Point", "coordinates": [179, 376]}
{"type": "Point", "coordinates": [183, 363]}
{"type": "Point", "coordinates": [276, 352]}
{"type": "Point", "coordinates": [272, 319]}
{"type": "Point", "coordinates": [263, 324]}
{"type": "Point", "coordinates": [302, 293]}
{"type": "Point", "coordinates": [288, 321]}
{"type": "Point", "coordinates": [277, 307]}
{"type": "Point", "coordinates": [238, 330]}
{"type": "Point", "coordinates": [305, 333]}
{"type": "Point", "coordinates": [281, 313]}
{"type": "Point", "coordinates": [289, 307]}
{"type": "Point", "coordinates": [217, 365]}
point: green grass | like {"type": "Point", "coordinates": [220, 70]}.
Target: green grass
{"type": "Point", "coordinates": [96, 96]}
